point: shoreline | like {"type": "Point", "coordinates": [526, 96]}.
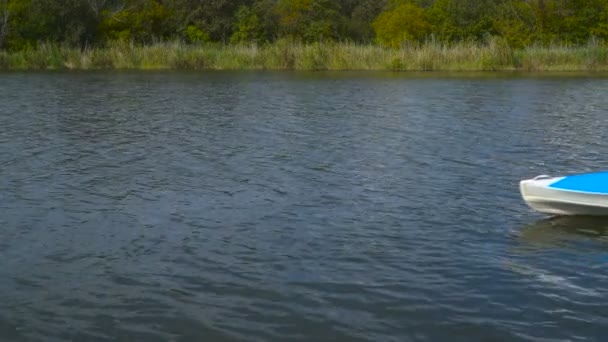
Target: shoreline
{"type": "Point", "coordinates": [288, 56]}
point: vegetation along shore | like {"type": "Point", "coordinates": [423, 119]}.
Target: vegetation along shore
{"type": "Point", "coordinates": [445, 35]}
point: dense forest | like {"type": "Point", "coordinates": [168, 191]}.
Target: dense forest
{"type": "Point", "coordinates": [24, 24]}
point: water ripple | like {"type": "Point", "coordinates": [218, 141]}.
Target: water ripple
{"type": "Point", "coordinates": [288, 206]}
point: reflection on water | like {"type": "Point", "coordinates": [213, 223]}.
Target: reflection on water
{"type": "Point", "coordinates": [565, 254]}
{"type": "Point", "coordinates": [562, 231]}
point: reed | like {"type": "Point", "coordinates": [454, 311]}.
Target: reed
{"type": "Point", "coordinates": [492, 55]}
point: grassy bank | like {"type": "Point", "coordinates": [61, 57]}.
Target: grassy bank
{"type": "Point", "coordinates": [493, 56]}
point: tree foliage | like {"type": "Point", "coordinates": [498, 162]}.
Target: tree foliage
{"type": "Point", "coordinates": [140, 22]}
{"type": "Point", "coordinates": [5, 16]}
{"type": "Point", "coordinates": [248, 27]}
{"type": "Point", "coordinates": [83, 23]}
{"type": "Point", "coordinates": [309, 20]}
{"type": "Point", "coordinates": [403, 22]}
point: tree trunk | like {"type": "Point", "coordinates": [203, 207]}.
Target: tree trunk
{"type": "Point", "coordinates": [96, 6]}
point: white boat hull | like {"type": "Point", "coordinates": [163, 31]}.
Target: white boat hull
{"type": "Point", "coordinates": [540, 196]}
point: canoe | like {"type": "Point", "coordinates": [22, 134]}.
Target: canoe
{"type": "Point", "coordinates": [582, 194]}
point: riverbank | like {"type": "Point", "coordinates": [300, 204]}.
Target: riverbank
{"type": "Point", "coordinates": [493, 56]}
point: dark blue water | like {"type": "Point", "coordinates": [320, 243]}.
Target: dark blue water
{"type": "Point", "coordinates": [296, 206]}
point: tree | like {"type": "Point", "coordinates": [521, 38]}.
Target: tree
{"type": "Point", "coordinates": [516, 22]}
{"type": "Point", "coordinates": [522, 22]}
{"type": "Point", "coordinates": [361, 18]}
{"type": "Point", "coordinates": [458, 20]}
{"type": "Point", "coordinates": [309, 20]}
{"type": "Point", "coordinates": [68, 21]}
{"type": "Point", "coordinates": [215, 17]}
{"type": "Point", "coordinates": [20, 24]}
{"type": "Point", "coordinates": [574, 20]}
{"type": "Point", "coordinates": [97, 6]}
{"type": "Point", "coordinates": [266, 10]}
{"type": "Point", "coordinates": [248, 27]}
{"type": "Point", "coordinates": [600, 28]}
{"type": "Point", "coordinates": [26, 23]}
{"type": "Point", "coordinates": [5, 15]}
{"type": "Point", "coordinates": [141, 22]}
{"type": "Point", "coordinates": [402, 22]}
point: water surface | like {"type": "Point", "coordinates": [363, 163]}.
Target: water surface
{"type": "Point", "coordinates": [296, 206]}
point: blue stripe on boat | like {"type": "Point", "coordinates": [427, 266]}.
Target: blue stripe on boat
{"type": "Point", "coordinates": [591, 182]}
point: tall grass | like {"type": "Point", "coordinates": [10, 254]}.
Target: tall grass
{"type": "Point", "coordinates": [493, 55]}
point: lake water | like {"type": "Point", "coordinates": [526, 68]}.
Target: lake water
{"type": "Point", "coordinates": [296, 206]}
